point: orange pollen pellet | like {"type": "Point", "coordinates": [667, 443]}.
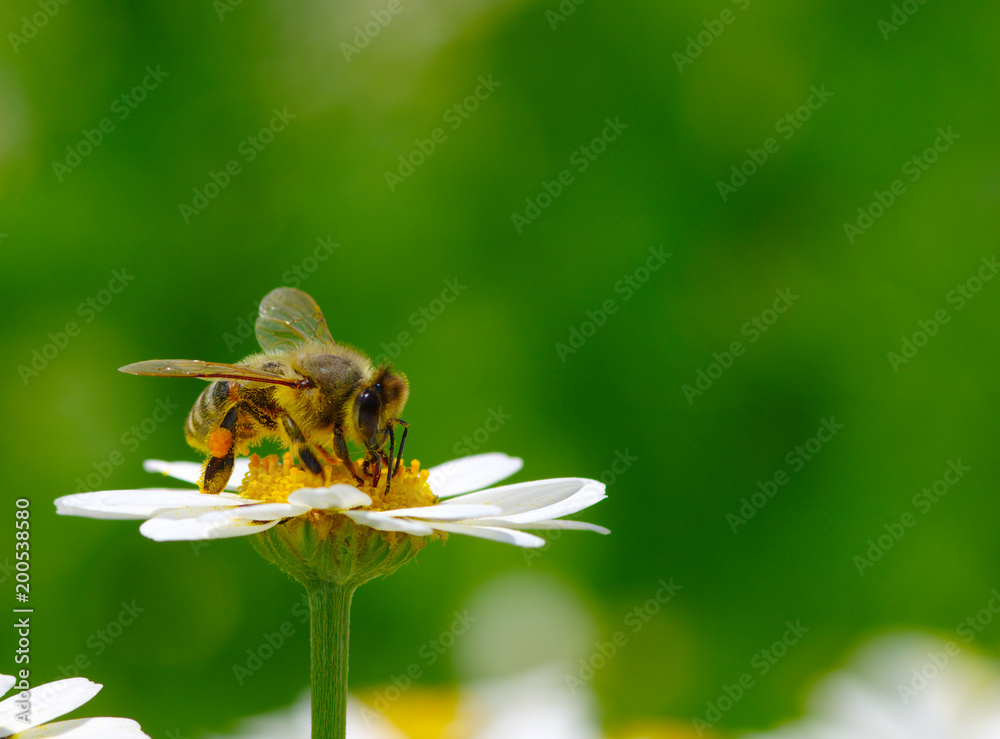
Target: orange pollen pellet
{"type": "Point", "coordinates": [220, 442]}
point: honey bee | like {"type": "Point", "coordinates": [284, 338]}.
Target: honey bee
{"type": "Point", "coordinates": [304, 390]}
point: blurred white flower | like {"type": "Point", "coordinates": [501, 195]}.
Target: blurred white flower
{"type": "Point", "coordinates": [52, 700]}
{"type": "Point", "coordinates": [903, 686]}
{"type": "Point", "coordinates": [295, 722]}
{"type": "Point", "coordinates": [536, 705]}
{"type": "Point", "coordinates": [533, 706]}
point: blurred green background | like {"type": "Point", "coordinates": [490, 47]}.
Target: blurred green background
{"type": "Point", "coordinates": [70, 218]}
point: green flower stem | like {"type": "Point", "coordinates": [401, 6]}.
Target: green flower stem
{"type": "Point", "coordinates": [330, 621]}
{"type": "Point", "coordinates": [331, 556]}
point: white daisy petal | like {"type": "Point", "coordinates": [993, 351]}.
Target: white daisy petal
{"type": "Point", "coordinates": [47, 702]}
{"type": "Point", "coordinates": [87, 728]}
{"type": "Point", "coordinates": [499, 514]}
{"type": "Point", "coordinates": [191, 471]}
{"type": "Point", "coordinates": [587, 496]}
{"type": "Point", "coordinates": [339, 497]}
{"type": "Point", "coordinates": [544, 525]}
{"type": "Point", "coordinates": [538, 500]}
{"type": "Point", "coordinates": [188, 524]}
{"type": "Point", "coordinates": [257, 512]}
{"type": "Point", "coordinates": [493, 533]}
{"type": "Point", "coordinates": [186, 471]}
{"type": "Point", "coordinates": [471, 473]}
{"type": "Point", "coordinates": [132, 503]}
{"type": "Point", "coordinates": [379, 520]}
{"type": "Point", "coordinates": [446, 513]}
{"type": "Point", "coordinates": [6, 683]}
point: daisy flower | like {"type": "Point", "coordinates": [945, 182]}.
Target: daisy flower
{"type": "Point", "coordinates": [445, 499]}
{"type": "Point", "coordinates": [332, 535]}
{"type": "Point", "coordinates": [41, 704]}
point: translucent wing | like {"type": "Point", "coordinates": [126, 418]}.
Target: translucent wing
{"type": "Point", "coordinates": [289, 318]}
{"type": "Point", "coordinates": [205, 370]}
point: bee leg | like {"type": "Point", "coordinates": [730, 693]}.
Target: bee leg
{"type": "Point", "coordinates": [310, 461]}
{"type": "Point", "coordinates": [374, 462]}
{"type": "Point", "coordinates": [300, 446]}
{"type": "Point", "coordinates": [388, 460]}
{"type": "Point", "coordinates": [222, 447]}
{"type": "Point", "coordinates": [402, 441]}
{"type": "Point", "coordinates": [340, 446]}
{"type": "Point", "coordinates": [327, 457]}
{"type": "Point", "coordinates": [368, 469]}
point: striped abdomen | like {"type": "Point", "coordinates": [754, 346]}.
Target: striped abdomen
{"type": "Point", "coordinates": [208, 411]}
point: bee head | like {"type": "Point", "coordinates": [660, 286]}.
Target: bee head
{"type": "Point", "coordinates": [379, 405]}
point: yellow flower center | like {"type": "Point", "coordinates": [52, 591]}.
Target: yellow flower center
{"type": "Point", "coordinates": [272, 480]}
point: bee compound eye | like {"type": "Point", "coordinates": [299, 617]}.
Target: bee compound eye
{"type": "Point", "coordinates": [368, 411]}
